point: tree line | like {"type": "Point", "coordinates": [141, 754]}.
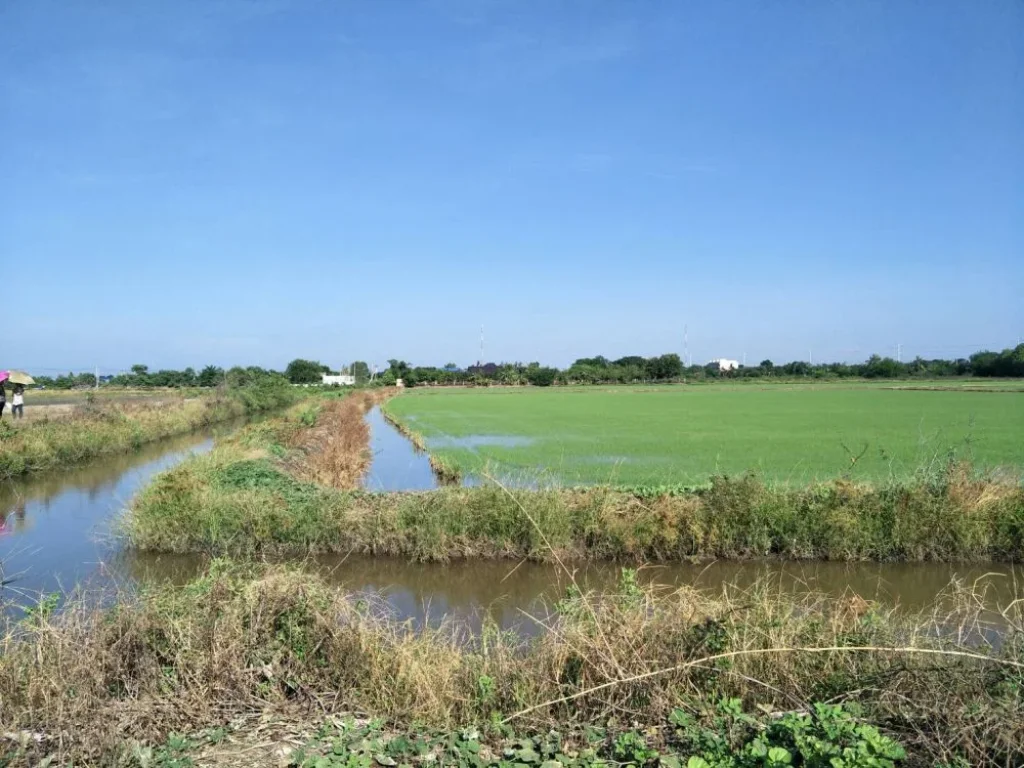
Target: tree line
{"type": "Point", "coordinates": [635, 369]}
{"type": "Point", "coordinates": [139, 376]}
{"type": "Point", "coordinates": [586, 370]}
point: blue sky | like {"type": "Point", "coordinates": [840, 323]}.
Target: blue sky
{"type": "Point", "coordinates": [247, 181]}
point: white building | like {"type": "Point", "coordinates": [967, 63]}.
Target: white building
{"type": "Point", "coordinates": [338, 381]}
{"type": "Point", "coordinates": [725, 365]}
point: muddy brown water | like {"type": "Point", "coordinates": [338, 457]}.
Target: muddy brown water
{"type": "Point", "coordinates": [59, 530]}
{"type": "Point", "coordinates": [514, 595]}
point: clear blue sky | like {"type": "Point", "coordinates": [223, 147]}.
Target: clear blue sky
{"type": "Point", "coordinates": [247, 181]}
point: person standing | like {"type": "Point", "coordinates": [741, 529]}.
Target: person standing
{"type": "Point", "coordinates": [3, 398]}
{"type": "Point", "coordinates": [18, 409]}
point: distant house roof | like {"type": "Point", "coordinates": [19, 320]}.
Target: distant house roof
{"type": "Point", "coordinates": [341, 380]}
{"type": "Point", "coordinates": [724, 364]}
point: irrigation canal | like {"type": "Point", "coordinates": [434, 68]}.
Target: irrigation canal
{"type": "Point", "coordinates": [58, 531]}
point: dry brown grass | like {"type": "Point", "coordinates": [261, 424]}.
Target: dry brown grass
{"type": "Point", "coordinates": [335, 452]}
{"type": "Point", "coordinates": [257, 643]}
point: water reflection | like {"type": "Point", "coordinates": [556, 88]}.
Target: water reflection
{"type": "Point", "coordinates": [13, 520]}
{"type": "Point", "coordinates": [395, 465]}
{"type": "Point", "coordinates": [56, 527]}
{"type": "Point", "coordinates": [510, 593]}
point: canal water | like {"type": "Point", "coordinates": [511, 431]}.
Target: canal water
{"type": "Point", "coordinates": [513, 595]}
{"type": "Point", "coordinates": [59, 530]}
{"type": "Point", "coordinates": [395, 464]}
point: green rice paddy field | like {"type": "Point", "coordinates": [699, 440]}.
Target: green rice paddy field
{"type": "Point", "coordinates": [681, 435]}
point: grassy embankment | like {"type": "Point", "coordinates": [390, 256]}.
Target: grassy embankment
{"type": "Point", "coordinates": [101, 427]}
{"type": "Point", "coordinates": [252, 494]}
{"type": "Point", "coordinates": [786, 433]}
{"type": "Point", "coordinates": [648, 675]}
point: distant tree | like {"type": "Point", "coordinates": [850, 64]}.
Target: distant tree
{"type": "Point", "coordinates": [399, 368]}
{"type": "Point", "coordinates": [237, 377]}
{"type": "Point", "coordinates": [881, 368]}
{"type": "Point", "coordinates": [1014, 361]}
{"type": "Point", "coordinates": [210, 376]}
{"type": "Point", "coordinates": [361, 371]}
{"type": "Point", "coordinates": [165, 378]}
{"type": "Point", "coordinates": [984, 363]}
{"type": "Point", "coordinates": [301, 371]}
{"type": "Point", "coordinates": [140, 376]}
{"type": "Point", "coordinates": [541, 376]}
{"type": "Point", "coordinates": [665, 367]}
{"type": "Point", "coordinates": [1009, 362]}
{"type": "Point", "coordinates": [635, 361]}
{"type": "Point", "coordinates": [511, 374]}
{"type": "Point", "coordinates": [767, 366]}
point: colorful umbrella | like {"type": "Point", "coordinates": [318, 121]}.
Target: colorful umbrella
{"type": "Point", "coordinates": [4, 375]}
{"type": "Point", "coordinates": [20, 377]}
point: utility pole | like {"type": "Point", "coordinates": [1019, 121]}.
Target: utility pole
{"type": "Point", "coordinates": [810, 357]}
{"type": "Point", "coordinates": [899, 352]}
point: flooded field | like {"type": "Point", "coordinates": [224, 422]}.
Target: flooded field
{"type": "Point", "coordinates": [684, 435]}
